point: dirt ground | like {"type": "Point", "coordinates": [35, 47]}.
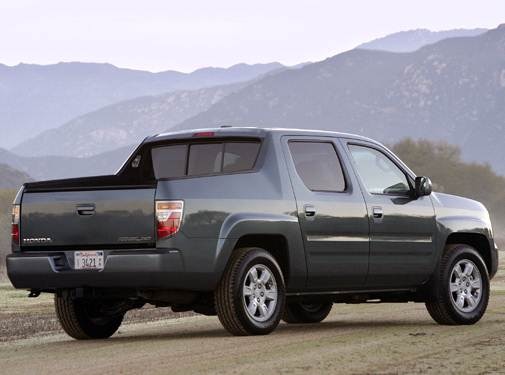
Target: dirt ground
{"type": "Point", "coordinates": [358, 339]}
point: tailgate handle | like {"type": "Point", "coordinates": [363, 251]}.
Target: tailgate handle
{"type": "Point", "coordinates": [88, 209]}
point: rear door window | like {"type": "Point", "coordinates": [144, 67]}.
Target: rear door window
{"type": "Point", "coordinates": [318, 165]}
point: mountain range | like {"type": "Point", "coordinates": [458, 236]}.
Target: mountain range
{"type": "Point", "coordinates": [452, 90]}
{"type": "Point", "coordinates": [124, 123]}
{"type": "Point", "coordinates": [412, 40]}
{"type": "Point", "coordinates": [34, 98]}
{"type": "Point", "coordinates": [11, 178]}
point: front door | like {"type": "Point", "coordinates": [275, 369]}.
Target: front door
{"type": "Point", "coordinates": [401, 225]}
{"type": "Point", "coordinates": [331, 211]}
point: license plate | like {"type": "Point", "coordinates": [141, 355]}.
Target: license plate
{"type": "Point", "coordinates": [88, 260]}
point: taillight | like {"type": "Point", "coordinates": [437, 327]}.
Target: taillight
{"type": "Point", "coordinates": [15, 224]}
{"type": "Point", "coordinates": [168, 218]}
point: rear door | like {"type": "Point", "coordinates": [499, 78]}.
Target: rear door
{"type": "Point", "coordinates": [331, 212]}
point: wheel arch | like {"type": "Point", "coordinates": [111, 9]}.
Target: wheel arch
{"type": "Point", "coordinates": [275, 244]}
{"type": "Point", "coordinates": [278, 234]}
{"type": "Point", "coordinates": [476, 240]}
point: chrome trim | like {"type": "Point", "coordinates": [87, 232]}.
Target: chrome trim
{"type": "Point", "coordinates": [389, 238]}
{"type": "Point", "coordinates": [341, 292]}
{"type": "Point", "coordinates": [322, 238]}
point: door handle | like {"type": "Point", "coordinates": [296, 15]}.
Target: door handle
{"type": "Point", "coordinates": [377, 213]}
{"type": "Point", "coordinates": [88, 209]}
{"type": "Point", "coordinates": [310, 210]}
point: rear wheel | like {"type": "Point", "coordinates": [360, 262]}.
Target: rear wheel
{"type": "Point", "coordinates": [87, 319]}
{"type": "Point", "coordinates": [298, 312]}
{"type": "Point", "coordinates": [460, 290]}
{"type": "Point", "coordinates": [250, 297]}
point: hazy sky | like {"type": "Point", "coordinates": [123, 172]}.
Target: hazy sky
{"type": "Point", "coordinates": [188, 34]}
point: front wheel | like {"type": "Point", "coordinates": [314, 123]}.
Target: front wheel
{"type": "Point", "coordinates": [460, 289]}
{"type": "Point", "coordinates": [86, 319]}
{"type": "Point", "coordinates": [250, 297]}
{"type": "Point", "coordinates": [298, 312]}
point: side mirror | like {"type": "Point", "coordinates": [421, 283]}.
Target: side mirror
{"type": "Point", "coordinates": [423, 186]}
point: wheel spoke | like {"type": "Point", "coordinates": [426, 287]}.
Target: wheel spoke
{"type": "Point", "coordinates": [471, 300]}
{"type": "Point", "coordinates": [460, 300]}
{"type": "Point", "coordinates": [263, 310]}
{"type": "Point", "coordinates": [252, 307]}
{"type": "Point", "coordinates": [271, 294]}
{"type": "Point", "coordinates": [458, 271]}
{"type": "Point", "coordinates": [265, 276]}
{"type": "Point", "coordinates": [254, 274]}
{"type": "Point", "coordinates": [468, 269]}
{"type": "Point", "coordinates": [454, 287]}
{"type": "Point", "coordinates": [475, 284]}
{"type": "Point", "coordinates": [247, 291]}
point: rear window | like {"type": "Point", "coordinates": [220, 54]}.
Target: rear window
{"type": "Point", "coordinates": [169, 161]}
{"type": "Point", "coordinates": [205, 159]}
{"type": "Point", "coordinates": [200, 159]}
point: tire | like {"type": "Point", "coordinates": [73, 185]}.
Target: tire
{"type": "Point", "coordinates": [466, 303]}
{"type": "Point", "coordinates": [264, 297]}
{"type": "Point", "coordinates": [82, 320]}
{"type": "Point", "coordinates": [297, 312]}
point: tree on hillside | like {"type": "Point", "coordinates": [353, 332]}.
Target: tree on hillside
{"type": "Point", "coordinates": [450, 174]}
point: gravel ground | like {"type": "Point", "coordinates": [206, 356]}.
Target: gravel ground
{"type": "Point", "coordinates": [22, 317]}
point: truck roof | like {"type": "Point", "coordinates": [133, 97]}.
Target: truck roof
{"type": "Point", "coordinates": [249, 131]}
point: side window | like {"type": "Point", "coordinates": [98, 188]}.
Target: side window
{"type": "Point", "coordinates": [318, 165]}
{"type": "Point", "coordinates": [240, 156]}
{"type": "Point", "coordinates": [379, 174]}
{"type": "Point", "coordinates": [169, 161]}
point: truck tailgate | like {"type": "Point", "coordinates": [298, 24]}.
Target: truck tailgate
{"type": "Point", "coordinates": [88, 219]}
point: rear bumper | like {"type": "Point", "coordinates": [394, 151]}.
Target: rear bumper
{"type": "Point", "coordinates": [123, 269]}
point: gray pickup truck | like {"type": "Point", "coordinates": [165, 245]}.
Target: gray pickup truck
{"type": "Point", "coordinates": [254, 225]}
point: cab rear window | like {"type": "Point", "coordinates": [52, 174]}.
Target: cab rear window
{"type": "Point", "coordinates": [200, 159]}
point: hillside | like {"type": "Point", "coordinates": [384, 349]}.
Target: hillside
{"type": "Point", "coordinates": [412, 40]}
{"type": "Point", "coordinates": [453, 90]}
{"type": "Point", "coordinates": [6, 198]}
{"type": "Point", "coordinates": [124, 123]}
{"type": "Point", "coordinates": [11, 178]}
{"type": "Point", "coordinates": [54, 167]}
{"type": "Point", "coordinates": [34, 98]}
